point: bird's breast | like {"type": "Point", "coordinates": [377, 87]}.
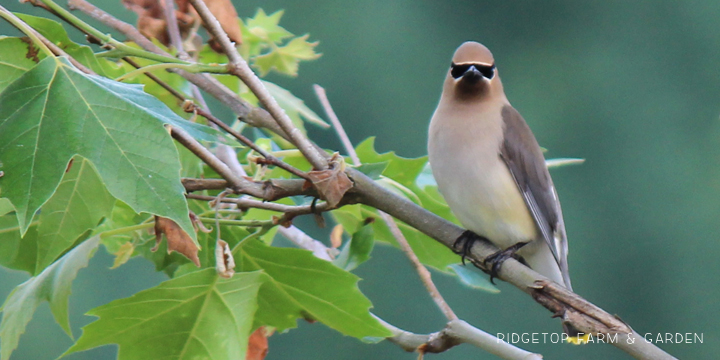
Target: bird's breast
{"type": "Point", "coordinates": [476, 183]}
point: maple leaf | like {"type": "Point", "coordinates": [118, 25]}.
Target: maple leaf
{"type": "Point", "coordinates": [260, 31]}
{"type": "Point", "coordinates": [265, 27]}
{"type": "Point", "coordinates": [285, 59]}
{"type": "Point", "coordinates": [177, 239]}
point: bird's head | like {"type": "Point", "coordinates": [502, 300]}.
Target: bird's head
{"type": "Point", "coordinates": [472, 73]}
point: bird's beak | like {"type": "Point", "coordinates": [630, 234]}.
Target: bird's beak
{"type": "Point", "coordinates": [472, 75]}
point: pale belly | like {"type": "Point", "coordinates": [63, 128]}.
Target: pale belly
{"type": "Point", "coordinates": [488, 202]}
{"type": "Point", "coordinates": [480, 189]}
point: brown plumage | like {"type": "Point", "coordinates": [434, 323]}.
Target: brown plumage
{"type": "Point", "coordinates": [489, 166]}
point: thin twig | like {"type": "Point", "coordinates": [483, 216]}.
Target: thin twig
{"type": "Point", "coordinates": [322, 96]}
{"type": "Point", "coordinates": [419, 267]}
{"type": "Point", "coordinates": [172, 25]}
{"type": "Point", "coordinates": [244, 203]}
{"type": "Point", "coordinates": [304, 241]}
{"type": "Point", "coordinates": [399, 237]}
{"type": "Point", "coordinates": [121, 47]}
{"type": "Point", "coordinates": [178, 95]}
{"type": "Point", "coordinates": [239, 67]}
{"type": "Point", "coordinates": [455, 333]}
{"type": "Point", "coordinates": [252, 115]}
{"type": "Point", "coordinates": [237, 183]}
{"type": "Point", "coordinates": [25, 28]}
{"type": "Point", "coordinates": [268, 157]}
{"type": "Point", "coordinates": [272, 160]}
{"type": "Point", "coordinates": [202, 110]}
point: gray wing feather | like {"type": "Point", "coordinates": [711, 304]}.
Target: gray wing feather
{"type": "Point", "coordinates": [523, 157]}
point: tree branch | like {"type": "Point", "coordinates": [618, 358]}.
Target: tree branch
{"type": "Point", "coordinates": [172, 26]}
{"type": "Point", "coordinates": [239, 67]}
{"type": "Point", "coordinates": [422, 271]}
{"type": "Point", "coordinates": [269, 158]}
{"type": "Point", "coordinates": [269, 190]}
{"type": "Point", "coordinates": [335, 121]}
{"type": "Point", "coordinates": [251, 115]}
{"type": "Point", "coordinates": [455, 333]}
{"type": "Point", "coordinates": [573, 309]}
{"type": "Point", "coordinates": [244, 203]}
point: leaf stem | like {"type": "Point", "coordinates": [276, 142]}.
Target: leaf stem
{"type": "Point", "coordinates": [126, 229]}
{"type": "Point", "coordinates": [193, 68]}
{"type": "Point", "coordinates": [26, 29]}
{"type": "Point", "coordinates": [249, 223]}
{"type": "Point", "coordinates": [106, 39]}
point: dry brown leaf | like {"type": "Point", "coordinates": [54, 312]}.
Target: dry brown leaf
{"type": "Point", "coordinates": [333, 183]}
{"type": "Point", "coordinates": [336, 236]}
{"type": "Point", "coordinates": [225, 12]}
{"type": "Point", "coordinates": [257, 345]}
{"type": "Point", "coordinates": [151, 18]}
{"type": "Point", "coordinates": [177, 239]}
{"type": "Point", "coordinates": [224, 261]}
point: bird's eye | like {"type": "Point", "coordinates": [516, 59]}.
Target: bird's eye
{"type": "Point", "coordinates": [457, 71]}
{"type": "Point", "coordinates": [487, 71]}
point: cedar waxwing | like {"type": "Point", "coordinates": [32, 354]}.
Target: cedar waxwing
{"type": "Point", "coordinates": [490, 168]}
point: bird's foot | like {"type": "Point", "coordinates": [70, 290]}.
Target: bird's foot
{"type": "Point", "coordinates": [494, 262]}
{"type": "Point", "coordinates": [464, 243]}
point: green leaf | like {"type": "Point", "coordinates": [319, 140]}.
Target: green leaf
{"type": "Point", "coordinates": [285, 59]}
{"type": "Point", "coordinates": [429, 251]}
{"type": "Point", "coordinates": [17, 252]}
{"type": "Point", "coordinates": [78, 205]}
{"type": "Point", "coordinates": [294, 107]}
{"type": "Point", "coordinates": [401, 176]}
{"type": "Point", "coordinates": [123, 254]}
{"type": "Point", "coordinates": [52, 285]}
{"type": "Point", "coordinates": [260, 32]}
{"type": "Point", "coordinates": [426, 177]}
{"type": "Point", "coordinates": [54, 112]}
{"type": "Point", "coordinates": [17, 56]}
{"type": "Point", "coordinates": [556, 163]}
{"type": "Point", "coordinates": [357, 250]}
{"type": "Point", "coordinates": [150, 86]}
{"type": "Point", "coordinates": [195, 316]}
{"type": "Point", "coordinates": [122, 216]}
{"type": "Point", "coordinates": [373, 170]}
{"type": "Point", "coordinates": [266, 26]}
{"type": "Point", "coordinates": [5, 206]}
{"type": "Point", "coordinates": [55, 32]}
{"type": "Point", "coordinates": [472, 278]}
{"type": "Point", "coordinates": [400, 169]}
{"type": "Point", "coordinates": [303, 286]}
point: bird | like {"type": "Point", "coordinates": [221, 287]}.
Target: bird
{"type": "Point", "coordinates": [491, 171]}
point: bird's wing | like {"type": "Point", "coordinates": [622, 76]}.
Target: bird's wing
{"type": "Point", "coordinates": [523, 157]}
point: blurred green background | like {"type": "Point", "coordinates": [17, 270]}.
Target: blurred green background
{"type": "Point", "coordinates": [633, 87]}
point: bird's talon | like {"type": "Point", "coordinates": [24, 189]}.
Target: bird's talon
{"type": "Point", "coordinates": [496, 260]}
